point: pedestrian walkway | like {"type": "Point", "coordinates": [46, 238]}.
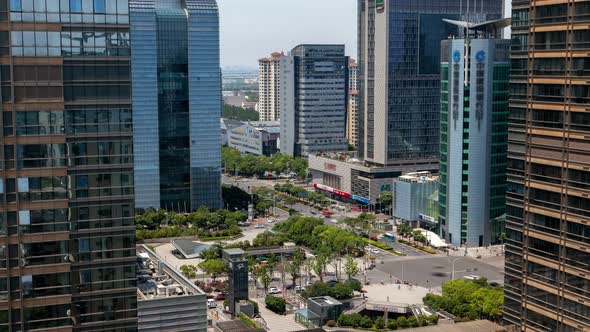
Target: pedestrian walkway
{"type": "Point", "coordinates": [278, 323]}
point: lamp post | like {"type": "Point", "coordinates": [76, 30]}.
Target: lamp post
{"type": "Point", "coordinates": [453, 267]}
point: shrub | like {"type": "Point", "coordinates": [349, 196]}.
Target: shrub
{"type": "Point", "coordinates": [340, 291]}
{"type": "Point", "coordinates": [248, 321]}
{"type": "Point", "coordinates": [355, 285]}
{"type": "Point", "coordinates": [366, 322]}
{"type": "Point", "coordinates": [392, 324]}
{"type": "Point", "coordinates": [275, 304]}
{"type": "Point", "coordinates": [402, 322]}
{"type": "Point", "coordinates": [255, 305]}
{"type": "Point", "coordinates": [331, 323]}
{"type": "Point", "coordinates": [413, 322]}
{"type": "Point", "coordinates": [379, 322]}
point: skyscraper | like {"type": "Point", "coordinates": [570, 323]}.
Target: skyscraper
{"type": "Point", "coordinates": [473, 131]}
{"type": "Point", "coordinates": [399, 76]}
{"type": "Point", "coordinates": [177, 98]}
{"type": "Point", "coordinates": [352, 111]}
{"type": "Point", "coordinates": [314, 86]}
{"type": "Point", "coordinates": [269, 87]}
{"type": "Point", "coordinates": [68, 251]}
{"type": "Point", "coordinates": [547, 284]}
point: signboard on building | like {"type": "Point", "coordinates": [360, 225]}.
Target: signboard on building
{"type": "Point", "coordinates": [330, 167]}
{"type": "Point", "coordinates": [424, 217]}
{"type": "Point", "coordinates": [380, 6]}
{"type": "Point", "coordinates": [341, 193]}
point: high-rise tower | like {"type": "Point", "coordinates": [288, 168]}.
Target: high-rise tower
{"type": "Point", "coordinates": [269, 87]}
{"type": "Point", "coordinates": [547, 284]}
{"type": "Point", "coordinates": [68, 247]}
{"type": "Point", "coordinates": [177, 102]}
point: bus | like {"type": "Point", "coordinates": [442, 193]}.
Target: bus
{"type": "Point", "coordinates": [390, 237]}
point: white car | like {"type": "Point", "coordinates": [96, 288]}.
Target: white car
{"type": "Point", "coordinates": [211, 303]}
{"type": "Point", "coordinates": [270, 220]}
{"type": "Point", "coordinates": [274, 290]}
{"type": "Point", "coordinates": [472, 277]}
{"type": "Point", "coordinates": [375, 251]}
{"type": "Point", "coordinates": [334, 220]}
{"type": "Point", "coordinates": [367, 248]}
{"type": "Point", "coordinates": [259, 226]}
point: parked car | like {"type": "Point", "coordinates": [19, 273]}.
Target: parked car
{"type": "Point", "coordinates": [270, 220]}
{"type": "Point", "coordinates": [274, 290]}
{"type": "Point", "coordinates": [472, 277]}
{"type": "Point", "coordinates": [219, 297]}
{"type": "Point", "coordinates": [259, 226]}
{"type": "Point", "coordinates": [211, 303]}
{"type": "Point", "coordinates": [299, 289]}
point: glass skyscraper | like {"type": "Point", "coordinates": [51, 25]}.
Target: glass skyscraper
{"type": "Point", "coordinates": [473, 131]}
{"type": "Point", "coordinates": [547, 284]}
{"type": "Point", "coordinates": [67, 211]}
{"type": "Point", "coordinates": [177, 98]}
{"type": "Point", "coordinates": [399, 65]}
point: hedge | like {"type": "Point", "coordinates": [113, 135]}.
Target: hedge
{"type": "Point", "coordinates": [383, 247]}
{"type": "Point", "coordinates": [248, 321]}
{"type": "Point", "coordinates": [275, 304]}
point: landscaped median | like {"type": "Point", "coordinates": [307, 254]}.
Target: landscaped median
{"type": "Point", "coordinates": [417, 246]}
{"type": "Point", "coordinates": [383, 247]}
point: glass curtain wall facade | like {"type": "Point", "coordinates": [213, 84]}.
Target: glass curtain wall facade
{"type": "Point", "coordinates": [176, 85]}
{"type": "Point", "coordinates": [67, 229]}
{"type": "Point", "coordinates": [474, 114]}
{"type": "Point", "coordinates": [547, 284]}
{"type": "Point", "coordinates": [399, 75]}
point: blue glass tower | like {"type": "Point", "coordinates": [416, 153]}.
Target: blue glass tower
{"type": "Point", "coordinates": [177, 98]}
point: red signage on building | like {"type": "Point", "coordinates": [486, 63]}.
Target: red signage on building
{"type": "Point", "coordinates": [329, 166]}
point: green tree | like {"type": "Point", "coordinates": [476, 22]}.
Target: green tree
{"type": "Point", "coordinates": [213, 267]}
{"type": "Point", "coordinates": [294, 267]}
{"type": "Point", "coordinates": [351, 267]}
{"type": "Point", "coordinates": [340, 291]}
{"type": "Point", "coordinates": [271, 263]}
{"type": "Point", "coordinates": [318, 266]}
{"type": "Point", "coordinates": [366, 322]}
{"type": "Point", "coordinates": [275, 304]}
{"type": "Point", "coordinates": [386, 198]}
{"type": "Point", "coordinates": [239, 113]}
{"type": "Point", "coordinates": [263, 206]}
{"type": "Point", "coordinates": [264, 277]}
{"type": "Point", "coordinates": [189, 271]}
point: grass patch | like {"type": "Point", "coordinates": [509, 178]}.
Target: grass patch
{"type": "Point", "coordinates": [219, 238]}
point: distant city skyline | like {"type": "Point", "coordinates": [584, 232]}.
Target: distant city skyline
{"type": "Point", "coordinates": [253, 29]}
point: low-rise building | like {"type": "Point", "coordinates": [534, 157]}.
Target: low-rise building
{"type": "Point", "coordinates": [350, 180]}
{"type": "Point", "coordinates": [257, 138]}
{"type": "Point", "coordinates": [166, 299]}
{"type": "Point", "coordinates": [226, 126]}
{"type": "Point", "coordinates": [319, 310]}
{"type": "Point", "coordinates": [415, 199]}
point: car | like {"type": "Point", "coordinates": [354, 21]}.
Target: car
{"type": "Point", "coordinates": [219, 297]}
{"type": "Point", "coordinates": [334, 220]}
{"type": "Point", "coordinates": [375, 251]}
{"type": "Point", "coordinates": [332, 282]}
{"type": "Point", "coordinates": [314, 212]}
{"type": "Point", "coordinates": [259, 226]}
{"type": "Point", "coordinates": [299, 289]}
{"type": "Point", "coordinates": [274, 290]}
{"type": "Point", "coordinates": [211, 303]}
{"type": "Point", "coordinates": [367, 248]}
{"type": "Point", "coordinates": [471, 277]}
{"type": "Point", "coordinates": [374, 238]}
{"type": "Point", "coordinates": [270, 220]}
{"type": "Point", "coordinates": [308, 283]}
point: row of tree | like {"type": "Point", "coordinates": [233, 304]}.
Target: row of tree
{"type": "Point", "coordinates": [356, 320]}
{"type": "Point", "coordinates": [250, 165]}
{"type": "Point", "coordinates": [302, 194]}
{"type": "Point", "coordinates": [239, 113]}
{"type": "Point", "coordinates": [469, 299]}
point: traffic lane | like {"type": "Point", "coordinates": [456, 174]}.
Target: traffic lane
{"type": "Point", "coordinates": [433, 271]}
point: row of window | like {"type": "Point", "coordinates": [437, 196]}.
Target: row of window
{"type": "Point", "coordinates": [66, 11]}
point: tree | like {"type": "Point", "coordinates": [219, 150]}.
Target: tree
{"type": "Point", "coordinates": [239, 113]}
{"type": "Point", "coordinates": [294, 267]}
{"type": "Point", "coordinates": [351, 267]}
{"type": "Point", "coordinates": [275, 304]}
{"type": "Point", "coordinates": [271, 263]}
{"type": "Point", "coordinates": [366, 322]}
{"type": "Point", "coordinates": [386, 198]}
{"type": "Point", "coordinates": [213, 267]}
{"type": "Point", "coordinates": [263, 206]}
{"type": "Point", "coordinates": [318, 266]}
{"type": "Point", "coordinates": [340, 291]}
{"type": "Point", "coordinates": [265, 278]}
{"type": "Point", "coordinates": [189, 271]}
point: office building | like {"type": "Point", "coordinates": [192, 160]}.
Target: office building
{"type": "Point", "coordinates": [474, 113]}
{"type": "Point", "coordinates": [415, 199]}
{"type": "Point", "coordinates": [256, 137]}
{"type": "Point", "coordinates": [547, 284]}
{"type": "Point", "coordinates": [314, 82]}
{"type": "Point", "coordinates": [269, 87]}
{"type": "Point", "coordinates": [177, 101]}
{"type": "Point", "coordinates": [351, 114]}
{"type": "Point", "coordinates": [68, 254]}
{"type": "Point", "coordinates": [167, 301]}
{"type": "Point", "coordinates": [399, 76]}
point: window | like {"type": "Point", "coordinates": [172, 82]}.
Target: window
{"type": "Point", "coordinates": [24, 217]}
{"type": "Point", "coordinates": [99, 6]}
{"type": "Point", "coordinates": [76, 6]}
{"type": "Point", "coordinates": [15, 6]}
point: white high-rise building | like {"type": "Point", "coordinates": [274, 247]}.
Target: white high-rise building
{"type": "Point", "coordinates": [269, 87]}
{"type": "Point", "coordinates": [351, 114]}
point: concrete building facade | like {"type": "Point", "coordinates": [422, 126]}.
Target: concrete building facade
{"type": "Point", "coordinates": [257, 138]}
{"type": "Point", "coordinates": [313, 100]}
{"type": "Point", "coordinates": [352, 111]}
{"type": "Point", "coordinates": [269, 87]}
{"type": "Point", "coordinates": [177, 98]}
{"type": "Point", "coordinates": [474, 113]}
{"type": "Point", "coordinates": [415, 199]}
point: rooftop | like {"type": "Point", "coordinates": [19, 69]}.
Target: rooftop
{"type": "Point", "coordinates": [235, 326]}
{"type": "Point", "coordinates": [188, 248]}
{"type": "Point", "coordinates": [325, 301]}
{"type": "Point", "coordinates": [156, 279]}
{"type": "Point", "coordinates": [418, 177]}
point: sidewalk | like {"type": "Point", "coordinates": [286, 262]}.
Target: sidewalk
{"type": "Point", "coordinates": [278, 323]}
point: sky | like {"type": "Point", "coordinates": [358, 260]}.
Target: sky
{"type": "Point", "coordinates": [252, 29]}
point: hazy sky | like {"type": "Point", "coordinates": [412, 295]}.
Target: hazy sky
{"type": "Point", "coordinates": [252, 29]}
